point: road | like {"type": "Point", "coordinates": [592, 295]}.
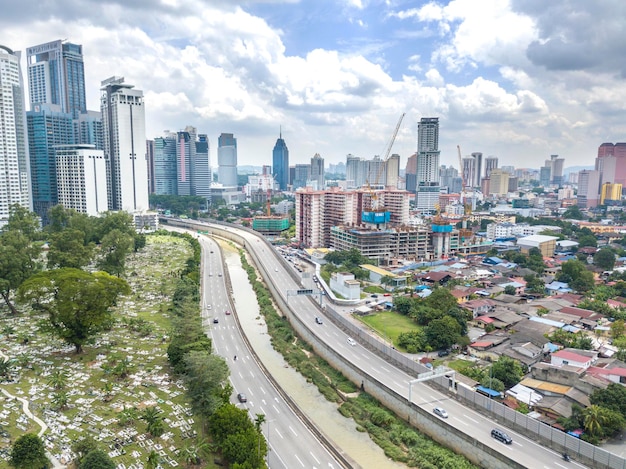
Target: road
{"type": "Point", "coordinates": [291, 443]}
{"type": "Point", "coordinates": [523, 450]}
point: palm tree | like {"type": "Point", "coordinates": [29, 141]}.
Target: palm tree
{"type": "Point", "coordinates": [192, 454]}
{"type": "Point", "coordinates": [154, 421]}
{"type": "Point", "coordinates": [594, 418]}
{"type": "Point", "coordinates": [128, 416]}
{"type": "Point", "coordinates": [6, 366]}
{"type": "Point", "coordinates": [60, 399]}
{"type": "Point", "coordinates": [108, 391]}
{"type": "Point", "coordinates": [122, 368]}
{"type": "Point", "coordinates": [58, 379]}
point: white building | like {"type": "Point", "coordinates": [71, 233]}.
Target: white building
{"type": "Point", "coordinates": [345, 284]}
{"type": "Point", "coordinates": [260, 182]}
{"type": "Point", "coordinates": [14, 162]}
{"type": "Point", "coordinates": [82, 179]}
{"type": "Point", "coordinates": [227, 160]}
{"type": "Point", "coordinates": [124, 126]}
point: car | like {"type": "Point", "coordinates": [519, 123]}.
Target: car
{"type": "Point", "coordinates": [502, 436]}
{"type": "Point", "coordinates": [208, 306]}
{"type": "Point", "coordinates": [443, 353]}
{"type": "Point", "coordinates": [219, 275]}
{"type": "Point", "coordinates": [210, 274]}
{"type": "Point", "coordinates": [241, 397]}
{"type": "Point", "coordinates": [227, 313]}
{"type": "Point", "coordinates": [351, 341]}
{"type": "Point", "coordinates": [216, 320]}
{"type": "Point", "coordinates": [374, 296]}
{"type": "Point", "coordinates": [211, 252]}
{"type": "Point", "coordinates": [275, 269]}
{"type": "Point", "coordinates": [387, 294]}
{"type": "Point", "coordinates": [440, 412]}
{"type": "Point", "coordinates": [318, 320]}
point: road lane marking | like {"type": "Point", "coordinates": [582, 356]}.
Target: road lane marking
{"type": "Point", "coordinates": [293, 431]}
{"type": "Point", "coordinates": [313, 456]}
{"type": "Point", "coordinates": [299, 460]}
{"type": "Point", "coordinates": [276, 409]}
{"type": "Point", "coordinates": [279, 434]}
{"type": "Point", "coordinates": [470, 418]}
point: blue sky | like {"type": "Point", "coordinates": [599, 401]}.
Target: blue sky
{"type": "Point", "coordinates": [505, 77]}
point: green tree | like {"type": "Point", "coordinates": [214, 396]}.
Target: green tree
{"type": "Point", "coordinates": [594, 417]}
{"type": "Point", "coordinates": [97, 459]}
{"type": "Point", "coordinates": [587, 241]}
{"type": "Point", "coordinates": [573, 212]}
{"type": "Point", "coordinates": [79, 304]}
{"type": "Point", "coordinates": [153, 461]}
{"type": "Point", "coordinates": [6, 368]}
{"type": "Point", "coordinates": [154, 421]}
{"type": "Point", "coordinates": [575, 273]}
{"type": "Point", "coordinates": [83, 447]}
{"type": "Point", "coordinates": [28, 452]}
{"type": "Point", "coordinates": [58, 379]}
{"type": "Point", "coordinates": [67, 248]}
{"type": "Point", "coordinates": [115, 248]}
{"type": "Point", "coordinates": [443, 333]}
{"type": "Point", "coordinates": [19, 253]}
{"type": "Point", "coordinates": [507, 370]}
{"type": "Point", "coordinates": [510, 290]}
{"type": "Point", "coordinates": [612, 397]}
{"type": "Point", "coordinates": [441, 299]}
{"type": "Point", "coordinates": [604, 259]}
{"type": "Point", "coordinates": [492, 383]}
{"type": "Point", "coordinates": [535, 285]}
{"type": "Point", "coordinates": [207, 378]}
{"type": "Point", "coordinates": [403, 304]}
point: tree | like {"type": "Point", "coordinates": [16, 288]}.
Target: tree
{"type": "Point", "coordinates": [97, 459]}
{"type": "Point", "coordinates": [154, 421]}
{"type": "Point", "coordinates": [58, 379]}
{"type": "Point", "coordinates": [19, 254]}
{"type": "Point", "coordinates": [535, 285]}
{"type": "Point", "coordinates": [153, 461]}
{"type": "Point", "coordinates": [575, 273]}
{"type": "Point", "coordinates": [594, 417]}
{"type": "Point", "coordinates": [403, 304]}
{"type": "Point", "coordinates": [507, 370]}
{"type": "Point", "coordinates": [573, 212]}
{"type": "Point", "coordinates": [207, 378]}
{"type": "Point", "coordinates": [492, 383]}
{"type": "Point", "coordinates": [604, 259]}
{"type": "Point", "coordinates": [612, 397]}
{"type": "Point", "coordinates": [115, 247]}
{"type": "Point", "coordinates": [510, 290]}
{"type": "Point", "coordinates": [441, 299]}
{"type": "Point", "coordinates": [587, 240]}
{"type": "Point", "coordinates": [83, 447]}
{"type": "Point", "coordinates": [443, 333]}
{"type": "Point", "coordinates": [79, 304]}
{"type": "Point", "coordinates": [28, 452]}
{"type": "Point", "coordinates": [68, 249]}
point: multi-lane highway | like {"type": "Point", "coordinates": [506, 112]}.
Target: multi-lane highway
{"type": "Point", "coordinates": [522, 450]}
{"type": "Point", "coordinates": [291, 443]}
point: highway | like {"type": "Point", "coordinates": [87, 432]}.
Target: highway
{"type": "Point", "coordinates": [522, 450]}
{"type": "Point", "coordinates": [291, 443]}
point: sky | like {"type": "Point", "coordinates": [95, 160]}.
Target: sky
{"type": "Point", "coordinates": [516, 79]}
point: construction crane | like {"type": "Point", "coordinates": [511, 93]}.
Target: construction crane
{"type": "Point", "coordinates": [375, 201]}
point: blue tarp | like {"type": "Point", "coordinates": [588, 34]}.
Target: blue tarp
{"type": "Point", "coordinates": [488, 391]}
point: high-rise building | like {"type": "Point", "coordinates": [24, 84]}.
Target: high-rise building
{"type": "Point", "coordinates": [427, 194]}
{"type": "Point", "coordinates": [556, 169]}
{"type": "Point", "coordinates": [123, 119]}
{"type": "Point", "coordinates": [588, 188]}
{"type": "Point", "coordinates": [469, 171]}
{"type": "Point", "coordinates": [185, 160]}
{"type": "Point", "coordinates": [498, 182]}
{"type": "Point", "coordinates": [491, 163]}
{"type": "Point", "coordinates": [317, 170]}
{"type": "Point", "coordinates": [410, 173]}
{"type": "Point", "coordinates": [82, 179]}
{"type": "Point", "coordinates": [56, 75]}
{"type": "Point", "coordinates": [449, 177]}
{"type": "Point", "coordinates": [392, 171]}
{"type": "Point", "coordinates": [202, 169]}
{"type": "Point", "coordinates": [48, 127]}
{"type": "Point", "coordinates": [611, 163]}
{"type": "Point", "coordinates": [150, 161]}
{"type": "Point", "coordinates": [545, 175]}
{"type": "Point", "coordinates": [165, 169]}
{"type": "Point", "coordinates": [302, 174]}
{"type": "Point", "coordinates": [280, 163]}
{"type": "Point", "coordinates": [227, 160]}
{"type": "Point", "coordinates": [88, 129]}
{"type": "Point", "coordinates": [478, 168]}
{"type": "Point", "coordinates": [14, 161]}
{"type": "Point", "coordinates": [610, 193]}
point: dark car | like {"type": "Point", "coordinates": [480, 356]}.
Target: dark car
{"type": "Point", "coordinates": [216, 320]}
{"type": "Point", "coordinates": [318, 320]}
{"type": "Point", "coordinates": [443, 353]}
{"type": "Point", "coordinates": [500, 435]}
{"type": "Point", "coordinates": [241, 397]}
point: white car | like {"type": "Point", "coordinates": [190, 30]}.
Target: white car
{"type": "Point", "coordinates": [351, 341]}
{"type": "Point", "coordinates": [208, 306]}
{"type": "Point", "coordinates": [440, 412]}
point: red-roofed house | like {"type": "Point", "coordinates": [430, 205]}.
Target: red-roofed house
{"type": "Point", "coordinates": [580, 312]}
{"type": "Point", "coordinates": [615, 304]}
{"type": "Point", "coordinates": [461, 296]}
{"type": "Point", "coordinates": [571, 357]}
{"type": "Point", "coordinates": [615, 375]}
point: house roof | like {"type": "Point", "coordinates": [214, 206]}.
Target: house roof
{"type": "Point", "coordinates": [571, 356]}
{"type": "Point", "coordinates": [594, 370]}
{"type": "Point", "coordinates": [485, 343]}
{"type": "Point", "coordinates": [545, 386]}
{"type": "Point", "coordinates": [486, 320]}
{"type": "Point", "coordinates": [581, 313]}
{"type": "Point", "coordinates": [434, 276]}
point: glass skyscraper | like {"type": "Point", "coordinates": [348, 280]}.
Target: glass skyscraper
{"type": "Point", "coordinates": [280, 163]}
{"type": "Point", "coordinates": [165, 174]}
{"type": "Point", "coordinates": [227, 160]}
{"type": "Point", "coordinates": [56, 75]}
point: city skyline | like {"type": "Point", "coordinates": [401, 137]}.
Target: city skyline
{"type": "Point", "coordinates": [336, 76]}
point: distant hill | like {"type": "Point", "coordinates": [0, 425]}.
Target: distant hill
{"type": "Point", "coordinates": [575, 169]}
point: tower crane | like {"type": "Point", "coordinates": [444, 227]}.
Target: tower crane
{"type": "Point", "coordinates": [375, 201]}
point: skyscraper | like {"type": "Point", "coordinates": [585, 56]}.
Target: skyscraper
{"type": "Point", "coordinates": [491, 163]}
{"type": "Point", "coordinates": [185, 156]}
{"type": "Point", "coordinates": [302, 174]}
{"type": "Point", "coordinates": [556, 169]}
{"type": "Point", "coordinates": [123, 119]}
{"type": "Point", "coordinates": [410, 173]}
{"type": "Point", "coordinates": [14, 163]}
{"type": "Point", "coordinates": [427, 194]}
{"type": "Point", "coordinates": [317, 170]}
{"type": "Point", "coordinates": [227, 160]}
{"type": "Point", "coordinates": [202, 169]}
{"type": "Point", "coordinates": [48, 127]}
{"type": "Point", "coordinates": [392, 171]}
{"type": "Point", "coordinates": [478, 168]}
{"type": "Point", "coordinates": [280, 163]}
{"type": "Point", "coordinates": [588, 188]}
{"type": "Point", "coordinates": [56, 75]}
{"type": "Point", "coordinates": [165, 172]}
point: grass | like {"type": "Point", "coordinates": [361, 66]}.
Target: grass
{"type": "Point", "coordinates": [389, 324]}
